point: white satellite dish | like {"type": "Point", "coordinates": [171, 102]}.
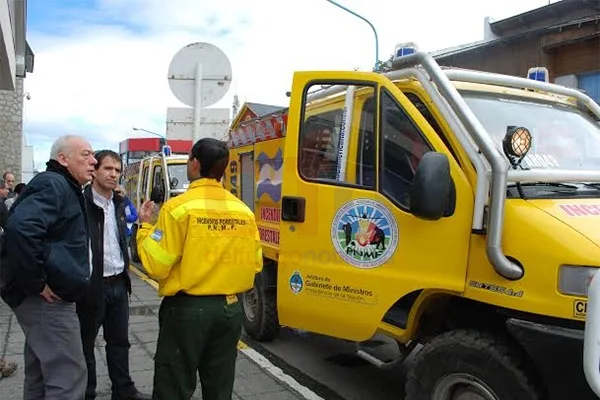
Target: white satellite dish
{"type": "Point", "coordinates": [199, 76]}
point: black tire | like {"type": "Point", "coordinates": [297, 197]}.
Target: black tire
{"type": "Point", "coordinates": [481, 358]}
{"type": "Point", "coordinates": [262, 323]}
{"type": "Point", "coordinates": [133, 244]}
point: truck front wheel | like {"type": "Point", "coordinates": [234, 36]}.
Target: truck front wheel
{"type": "Point", "coordinates": [260, 311]}
{"type": "Point", "coordinates": [462, 364]}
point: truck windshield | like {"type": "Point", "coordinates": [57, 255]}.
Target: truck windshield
{"type": "Point", "coordinates": [563, 136]}
{"type": "Point", "coordinates": [178, 171]}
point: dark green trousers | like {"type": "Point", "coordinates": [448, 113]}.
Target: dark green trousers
{"type": "Point", "coordinates": [198, 335]}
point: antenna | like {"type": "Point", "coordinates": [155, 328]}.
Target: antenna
{"type": "Point", "coordinates": [235, 107]}
{"type": "Point", "coordinates": [199, 76]}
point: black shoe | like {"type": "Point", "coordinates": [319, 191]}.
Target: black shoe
{"type": "Point", "coordinates": [135, 396]}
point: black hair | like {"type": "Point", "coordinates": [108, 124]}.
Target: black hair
{"type": "Point", "coordinates": [213, 156]}
{"type": "Point", "coordinates": [102, 154]}
{"type": "Point", "coordinates": [19, 187]}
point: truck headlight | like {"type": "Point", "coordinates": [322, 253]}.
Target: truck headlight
{"type": "Point", "coordinates": [575, 280]}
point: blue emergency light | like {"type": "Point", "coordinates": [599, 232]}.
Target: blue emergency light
{"type": "Point", "coordinates": [405, 49]}
{"type": "Point", "coordinates": [538, 74]}
{"type": "Point", "coordinates": [166, 150]}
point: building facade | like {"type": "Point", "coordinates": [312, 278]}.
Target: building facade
{"type": "Point", "coordinates": [563, 36]}
{"type": "Point", "coordinates": [16, 60]}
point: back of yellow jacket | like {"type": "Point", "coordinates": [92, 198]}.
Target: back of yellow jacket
{"type": "Point", "coordinates": [205, 242]}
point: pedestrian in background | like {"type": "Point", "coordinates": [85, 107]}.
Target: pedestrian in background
{"type": "Point", "coordinates": [46, 268]}
{"type": "Point", "coordinates": [9, 178]}
{"type": "Point", "coordinates": [131, 214]}
{"type": "Point", "coordinates": [4, 190]}
{"type": "Point", "coordinates": [204, 250]}
{"type": "Point", "coordinates": [6, 368]}
{"type": "Point", "coordinates": [19, 188]}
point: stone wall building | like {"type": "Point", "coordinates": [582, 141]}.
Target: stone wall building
{"type": "Point", "coordinates": [11, 129]}
{"type": "Point", "coordinates": [16, 60]}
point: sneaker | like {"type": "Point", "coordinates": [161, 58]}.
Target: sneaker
{"type": "Point", "coordinates": [7, 368]}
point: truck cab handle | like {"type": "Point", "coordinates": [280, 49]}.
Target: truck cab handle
{"type": "Point", "coordinates": [293, 209]}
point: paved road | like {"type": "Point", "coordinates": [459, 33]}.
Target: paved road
{"type": "Point", "coordinates": [333, 364]}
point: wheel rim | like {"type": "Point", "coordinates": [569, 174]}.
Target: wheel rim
{"type": "Point", "coordinates": [250, 303]}
{"type": "Point", "coordinates": [462, 387]}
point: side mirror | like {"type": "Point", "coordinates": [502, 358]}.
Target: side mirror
{"type": "Point", "coordinates": [157, 195]}
{"type": "Point", "coordinates": [432, 194]}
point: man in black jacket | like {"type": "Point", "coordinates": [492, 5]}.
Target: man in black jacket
{"type": "Point", "coordinates": [107, 302]}
{"type": "Point", "coordinates": [46, 268]}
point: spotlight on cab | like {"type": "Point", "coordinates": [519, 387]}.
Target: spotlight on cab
{"type": "Point", "coordinates": [516, 144]}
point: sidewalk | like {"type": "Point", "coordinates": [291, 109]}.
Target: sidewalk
{"type": "Point", "coordinates": [252, 382]}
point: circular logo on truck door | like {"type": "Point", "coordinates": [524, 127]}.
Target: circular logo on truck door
{"type": "Point", "coordinates": [364, 233]}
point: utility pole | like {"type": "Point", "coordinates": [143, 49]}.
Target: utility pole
{"type": "Point", "coordinates": [376, 67]}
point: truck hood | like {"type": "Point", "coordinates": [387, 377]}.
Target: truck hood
{"type": "Point", "coordinates": [583, 215]}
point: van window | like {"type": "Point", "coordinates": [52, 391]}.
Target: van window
{"type": "Point", "coordinates": [403, 147]}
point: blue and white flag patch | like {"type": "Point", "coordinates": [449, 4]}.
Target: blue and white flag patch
{"type": "Point", "coordinates": [157, 235]}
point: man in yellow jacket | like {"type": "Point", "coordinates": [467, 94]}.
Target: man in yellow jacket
{"type": "Point", "coordinates": [204, 250]}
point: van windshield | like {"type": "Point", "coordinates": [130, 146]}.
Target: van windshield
{"type": "Point", "coordinates": [563, 136]}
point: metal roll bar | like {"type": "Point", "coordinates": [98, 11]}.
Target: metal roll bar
{"type": "Point", "coordinates": [498, 163]}
{"type": "Point", "coordinates": [463, 121]}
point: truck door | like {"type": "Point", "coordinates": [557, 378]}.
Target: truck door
{"type": "Point", "coordinates": [349, 246]}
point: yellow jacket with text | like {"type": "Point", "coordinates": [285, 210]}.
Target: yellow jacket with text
{"type": "Point", "coordinates": [205, 242]}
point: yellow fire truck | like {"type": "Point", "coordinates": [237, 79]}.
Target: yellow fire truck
{"type": "Point", "coordinates": [454, 211]}
{"type": "Point", "coordinates": [158, 177]}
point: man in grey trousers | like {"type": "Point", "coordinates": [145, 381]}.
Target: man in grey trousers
{"type": "Point", "coordinates": [45, 269]}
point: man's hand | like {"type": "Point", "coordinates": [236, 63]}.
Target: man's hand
{"type": "Point", "coordinates": [49, 295]}
{"type": "Point", "coordinates": [146, 213]}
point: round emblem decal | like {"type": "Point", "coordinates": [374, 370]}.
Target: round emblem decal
{"type": "Point", "coordinates": [296, 282]}
{"type": "Point", "coordinates": [364, 233]}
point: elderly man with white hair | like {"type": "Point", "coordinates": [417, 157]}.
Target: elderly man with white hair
{"type": "Point", "coordinates": [46, 268]}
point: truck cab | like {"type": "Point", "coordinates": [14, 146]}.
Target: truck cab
{"type": "Point", "coordinates": [454, 211]}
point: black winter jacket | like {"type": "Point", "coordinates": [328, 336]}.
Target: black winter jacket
{"type": "Point", "coordinates": [46, 239]}
{"type": "Point", "coordinates": [94, 295]}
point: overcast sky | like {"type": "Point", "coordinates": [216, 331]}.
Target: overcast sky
{"type": "Point", "coordinates": [101, 65]}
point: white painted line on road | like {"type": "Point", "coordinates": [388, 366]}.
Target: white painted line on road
{"type": "Point", "coordinates": [279, 374]}
{"type": "Point", "coordinates": [252, 354]}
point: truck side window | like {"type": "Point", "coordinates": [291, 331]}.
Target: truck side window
{"type": "Point", "coordinates": [420, 105]}
{"type": "Point", "coordinates": [318, 157]}
{"type": "Point", "coordinates": [324, 134]}
{"type": "Point", "coordinates": [144, 182]}
{"type": "Point", "coordinates": [403, 147]}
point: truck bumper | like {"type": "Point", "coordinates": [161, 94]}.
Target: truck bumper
{"type": "Point", "coordinates": [558, 357]}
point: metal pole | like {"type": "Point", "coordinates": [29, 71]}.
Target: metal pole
{"type": "Point", "coordinates": [145, 130]}
{"type": "Point", "coordinates": [198, 103]}
{"type": "Point", "coordinates": [153, 133]}
{"type": "Point", "coordinates": [376, 68]}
